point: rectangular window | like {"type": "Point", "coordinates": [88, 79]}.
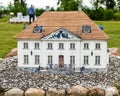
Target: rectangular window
{"type": "Point", "coordinates": [26, 59]}
{"type": "Point", "coordinates": [86, 60]}
{"type": "Point", "coordinates": [37, 59]}
{"type": "Point", "coordinates": [37, 46]}
{"type": "Point", "coordinates": [50, 60]}
{"type": "Point", "coordinates": [72, 46]}
{"type": "Point", "coordinates": [97, 60]}
{"type": "Point", "coordinates": [50, 46]}
{"type": "Point", "coordinates": [97, 46]}
{"type": "Point", "coordinates": [25, 45]}
{"type": "Point", "coordinates": [72, 60]}
{"type": "Point", "coordinates": [86, 46]}
{"type": "Point", "coordinates": [61, 46]}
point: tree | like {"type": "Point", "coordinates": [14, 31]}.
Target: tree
{"type": "Point", "coordinates": [18, 6]}
{"type": "Point", "coordinates": [97, 3]}
{"type": "Point", "coordinates": [39, 11]}
{"type": "Point", "coordinates": [110, 4]}
{"type": "Point", "coordinates": [3, 11]}
{"type": "Point", "coordinates": [23, 7]}
{"type": "Point", "coordinates": [69, 5]}
{"type": "Point", "coordinates": [10, 7]}
{"type": "Point", "coordinates": [118, 4]}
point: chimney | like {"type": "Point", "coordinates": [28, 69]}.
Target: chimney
{"type": "Point", "coordinates": [47, 8]}
{"type": "Point", "coordinates": [79, 8]}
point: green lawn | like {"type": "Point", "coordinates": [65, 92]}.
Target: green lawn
{"type": "Point", "coordinates": [9, 31]}
{"type": "Point", "coordinates": [112, 28]}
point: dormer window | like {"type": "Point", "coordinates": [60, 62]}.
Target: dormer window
{"type": "Point", "coordinates": [38, 29]}
{"type": "Point", "coordinates": [86, 29]}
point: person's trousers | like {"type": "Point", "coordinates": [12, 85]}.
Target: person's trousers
{"type": "Point", "coordinates": [31, 18]}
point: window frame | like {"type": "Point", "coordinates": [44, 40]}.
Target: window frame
{"type": "Point", "coordinates": [97, 60]}
{"type": "Point", "coordinates": [50, 59]}
{"type": "Point", "coordinates": [26, 59]}
{"type": "Point", "coordinates": [72, 60]}
{"type": "Point", "coordinates": [72, 46]}
{"type": "Point", "coordinates": [50, 46]}
{"type": "Point", "coordinates": [61, 46]}
{"type": "Point", "coordinates": [25, 45]}
{"type": "Point", "coordinates": [86, 60]}
{"type": "Point", "coordinates": [37, 59]}
{"type": "Point", "coordinates": [86, 46]}
{"type": "Point", "coordinates": [97, 46]}
{"type": "Point", "coordinates": [36, 45]}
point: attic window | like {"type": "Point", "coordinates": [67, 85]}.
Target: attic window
{"type": "Point", "coordinates": [86, 29]}
{"type": "Point", "coordinates": [38, 29]}
{"type": "Point", "coordinates": [101, 27]}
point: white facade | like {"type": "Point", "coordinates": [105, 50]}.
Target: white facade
{"type": "Point", "coordinates": [66, 49]}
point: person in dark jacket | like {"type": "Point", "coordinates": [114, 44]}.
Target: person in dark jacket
{"type": "Point", "coordinates": [31, 13]}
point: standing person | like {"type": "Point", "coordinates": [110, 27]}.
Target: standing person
{"type": "Point", "coordinates": [31, 13]}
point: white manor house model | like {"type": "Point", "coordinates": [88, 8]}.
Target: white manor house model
{"type": "Point", "coordinates": [62, 39]}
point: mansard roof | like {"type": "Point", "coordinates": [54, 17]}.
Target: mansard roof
{"type": "Point", "coordinates": [70, 20]}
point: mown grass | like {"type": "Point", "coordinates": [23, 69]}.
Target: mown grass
{"type": "Point", "coordinates": [112, 28]}
{"type": "Point", "coordinates": [9, 31]}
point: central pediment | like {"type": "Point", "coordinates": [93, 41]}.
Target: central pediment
{"type": "Point", "coordinates": [61, 34]}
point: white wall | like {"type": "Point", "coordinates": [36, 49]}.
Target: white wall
{"type": "Point", "coordinates": [44, 52]}
{"type": "Point", "coordinates": [79, 52]}
{"type": "Point", "coordinates": [102, 53]}
{"type": "Point", "coordinates": [66, 52]}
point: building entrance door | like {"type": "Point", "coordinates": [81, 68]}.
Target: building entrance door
{"type": "Point", "coordinates": [61, 61]}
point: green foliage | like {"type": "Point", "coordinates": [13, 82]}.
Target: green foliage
{"type": "Point", "coordinates": [110, 4]}
{"type": "Point", "coordinates": [0, 13]}
{"type": "Point", "coordinates": [117, 15]}
{"type": "Point", "coordinates": [102, 14]}
{"type": "Point", "coordinates": [10, 7]}
{"type": "Point", "coordinates": [97, 3]}
{"type": "Point", "coordinates": [109, 14]}
{"type": "Point", "coordinates": [39, 11]}
{"type": "Point", "coordinates": [69, 5]}
{"type": "Point", "coordinates": [118, 4]}
{"type": "Point", "coordinates": [4, 19]}
{"type": "Point", "coordinates": [18, 6]}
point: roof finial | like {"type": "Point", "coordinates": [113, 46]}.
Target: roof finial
{"type": "Point", "coordinates": [79, 8]}
{"type": "Point", "coordinates": [47, 8]}
{"type": "Point", "coordinates": [80, 5]}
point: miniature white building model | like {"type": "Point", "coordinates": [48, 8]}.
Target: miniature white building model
{"type": "Point", "coordinates": [62, 39]}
